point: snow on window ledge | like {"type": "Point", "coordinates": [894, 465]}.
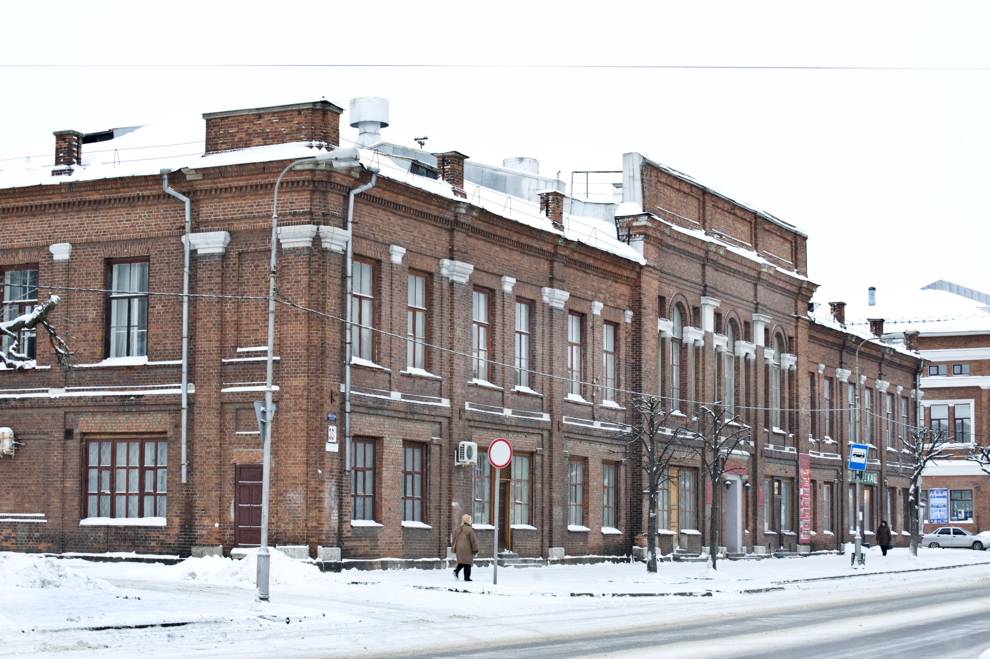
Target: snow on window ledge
{"type": "Point", "coordinates": [527, 391]}
{"type": "Point", "coordinates": [778, 431]}
{"type": "Point", "coordinates": [124, 361]}
{"type": "Point", "coordinates": [523, 527]}
{"type": "Point", "coordinates": [690, 532]}
{"type": "Point", "coordinates": [769, 532]}
{"type": "Point", "coordinates": [827, 533]}
{"type": "Point", "coordinates": [367, 363]}
{"type": "Point", "coordinates": [483, 527]}
{"type": "Point", "coordinates": [788, 533]}
{"type": "Point", "coordinates": [31, 365]}
{"type": "Point", "coordinates": [610, 404]}
{"type": "Point", "coordinates": [678, 413]}
{"type": "Point", "coordinates": [478, 382]}
{"type": "Point", "coordinates": [666, 532]}
{"type": "Point", "coordinates": [366, 523]}
{"type": "Point", "coordinates": [577, 528]}
{"type": "Point", "coordinates": [122, 521]}
{"type": "Point", "coordinates": [610, 530]}
{"type": "Point", "coordinates": [409, 524]}
{"type": "Point", "coordinates": [412, 371]}
{"type": "Point", "coordinates": [577, 398]}
{"type": "Point", "coordinates": [812, 532]}
{"type": "Point", "coordinates": [906, 533]}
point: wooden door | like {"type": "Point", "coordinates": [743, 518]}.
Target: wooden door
{"type": "Point", "coordinates": [247, 505]}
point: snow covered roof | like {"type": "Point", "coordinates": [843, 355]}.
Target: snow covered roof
{"type": "Point", "coordinates": [953, 468]}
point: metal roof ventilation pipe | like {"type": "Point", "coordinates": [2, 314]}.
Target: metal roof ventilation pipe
{"type": "Point", "coordinates": [871, 296]}
{"type": "Point", "coordinates": [369, 114]}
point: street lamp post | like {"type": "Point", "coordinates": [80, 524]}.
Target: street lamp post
{"type": "Point", "coordinates": [337, 159]}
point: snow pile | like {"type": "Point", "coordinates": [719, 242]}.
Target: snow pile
{"type": "Point", "coordinates": [283, 571]}
{"type": "Point", "coordinates": [31, 571]}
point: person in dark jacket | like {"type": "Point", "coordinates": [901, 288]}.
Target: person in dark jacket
{"type": "Point", "coordinates": [883, 537]}
{"type": "Point", "coordinates": [465, 545]}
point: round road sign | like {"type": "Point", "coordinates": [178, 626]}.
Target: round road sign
{"type": "Point", "coordinates": [500, 453]}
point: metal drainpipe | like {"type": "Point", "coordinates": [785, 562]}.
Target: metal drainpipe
{"type": "Point", "coordinates": [348, 347]}
{"type": "Point", "coordinates": [184, 395]}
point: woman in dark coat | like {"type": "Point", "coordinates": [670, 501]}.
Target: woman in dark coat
{"type": "Point", "coordinates": [883, 537]}
{"type": "Point", "coordinates": [465, 545]}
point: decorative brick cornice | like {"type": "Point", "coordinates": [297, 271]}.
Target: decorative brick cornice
{"type": "Point", "coordinates": [555, 297]}
{"type": "Point", "coordinates": [456, 271]}
{"type": "Point", "coordinates": [297, 235]}
{"type": "Point", "coordinates": [334, 239]}
{"type": "Point", "coordinates": [60, 251]}
{"type": "Point", "coordinates": [208, 242]}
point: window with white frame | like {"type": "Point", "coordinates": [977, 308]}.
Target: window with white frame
{"type": "Point", "coordinates": [851, 431]}
{"type": "Point", "coordinates": [522, 490]}
{"type": "Point", "coordinates": [362, 310]}
{"type": "Point", "coordinates": [960, 505]}
{"type": "Point", "coordinates": [128, 310]}
{"type": "Point", "coordinates": [888, 414]}
{"type": "Point", "coordinates": [575, 493]}
{"type": "Point", "coordinates": [687, 492]}
{"type": "Point", "coordinates": [663, 503]}
{"type": "Point", "coordinates": [416, 321]}
{"type": "Point", "coordinates": [902, 427]}
{"type": "Point", "coordinates": [610, 332]}
{"type": "Point", "coordinates": [775, 386]}
{"type": "Point", "coordinates": [729, 369]}
{"type": "Point", "coordinates": [413, 481]}
{"type": "Point", "coordinates": [126, 477]}
{"type": "Point", "coordinates": [868, 413]}
{"type": "Point", "coordinates": [482, 489]}
{"type": "Point", "coordinates": [963, 423]}
{"type": "Point", "coordinates": [523, 331]}
{"type": "Point", "coordinates": [940, 418]}
{"type": "Point", "coordinates": [480, 334]}
{"type": "Point", "coordinates": [610, 494]}
{"type": "Point", "coordinates": [676, 345]}
{"type": "Point", "coordinates": [826, 506]}
{"type": "Point", "coordinates": [827, 408]}
{"type": "Point", "coordinates": [20, 295]}
{"type": "Point", "coordinates": [575, 353]}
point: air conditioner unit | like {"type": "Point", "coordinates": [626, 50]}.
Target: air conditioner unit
{"type": "Point", "coordinates": [467, 453]}
{"type": "Point", "coordinates": [7, 442]}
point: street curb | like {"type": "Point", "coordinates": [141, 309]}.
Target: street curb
{"type": "Point", "coordinates": [876, 574]}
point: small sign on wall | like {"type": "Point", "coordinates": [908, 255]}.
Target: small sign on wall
{"type": "Point", "coordinates": [332, 446]}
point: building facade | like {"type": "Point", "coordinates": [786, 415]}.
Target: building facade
{"type": "Point", "coordinates": [485, 303]}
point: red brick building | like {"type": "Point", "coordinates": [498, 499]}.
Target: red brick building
{"type": "Point", "coordinates": [487, 304]}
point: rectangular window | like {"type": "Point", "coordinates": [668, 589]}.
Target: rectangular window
{"type": "Point", "coordinates": [812, 403]}
{"type": "Point", "coordinates": [416, 321]}
{"type": "Point", "coordinates": [775, 416]}
{"type": "Point", "coordinates": [663, 503]}
{"type": "Point", "coordinates": [889, 507]}
{"type": "Point", "coordinates": [767, 504]}
{"type": "Point", "coordinates": [960, 369]}
{"type": "Point", "coordinates": [675, 372]}
{"type": "Point", "coordinates": [826, 507]}
{"type": "Point", "coordinates": [961, 505]}
{"type": "Point", "coordinates": [786, 504]}
{"type": "Point", "coordinates": [940, 418]}
{"type": "Point", "coordinates": [575, 353]}
{"type": "Point", "coordinates": [888, 413]}
{"type": "Point", "coordinates": [729, 369]}
{"type": "Point", "coordinates": [20, 295]}
{"type": "Point", "coordinates": [413, 481]}
{"type": "Point", "coordinates": [523, 332]}
{"type": "Point", "coordinates": [522, 491]}
{"type": "Point", "coordinates": [363, 479]}
{"type": "Point", "coordinates": [482, 489]}
{"type": "Point", "coordinates": [611, 331]}
{"type": "Point", "coordinates": [480, 334]}
{"type": "Point", "coordinates": [851, 434]}
{"type": "Point", "coordinates": [128, 310]}
{"type": "Point", "coordinates": [363, 310]}
{"type": "Point", "coordinates": [827, 408]}
{"type": "Point", "coordinates": [963, 423]}
{"type": "Point", "coordinates": [610, 495]}
{"type": "Point", "coordinates": [813, 497]}
{"type": "Point", "coordinates": [687, 491]}
{"type": "Point", "coordinates": [575, 493]}
{"type": "Point", "coordinates": [868, 413]}
{"type": "Point", "coordinates": [126, 478]}
{"type": "Point", "coordinates": [902, 428]}
{"type": "Point", "coordinates": [867, 508]}
{"type": "Point", "coordinates": [851, 500]}
{"type": "Point", "coordinates": [938, 369]}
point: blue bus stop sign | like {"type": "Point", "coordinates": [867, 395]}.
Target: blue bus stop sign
{"type": "Point", "coordinates": [857, 456]}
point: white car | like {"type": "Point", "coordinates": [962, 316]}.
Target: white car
{"type": "Point", "coordinates": [954, 536]}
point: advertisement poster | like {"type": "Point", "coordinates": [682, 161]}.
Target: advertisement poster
{"type": "Point", "coordinates": [804, 499]}
{"type": "Point", "coordinates": [938, 505]}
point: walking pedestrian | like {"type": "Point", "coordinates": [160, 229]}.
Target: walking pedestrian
{"type": "Point", "coordinates": [883, 536]}
{"type": "Point", "coordinates": [465, 544]}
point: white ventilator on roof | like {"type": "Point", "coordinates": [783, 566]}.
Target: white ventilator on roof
{"type": "Point", "coordinates": [369, 114]}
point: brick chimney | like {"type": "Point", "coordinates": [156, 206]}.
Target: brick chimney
{"type": "Point", "coordinates": [838, 312]}
{"type": "Point", "coordinates": [299, 122]}
{"type": "Point", "coordinates": [876, 327]}
{"type": "Point", "coordinates": [552, 205]}
{"type": "Point", "coordinates": [450, 165]}
{"type": "Point", "coordinates": [68, 151]}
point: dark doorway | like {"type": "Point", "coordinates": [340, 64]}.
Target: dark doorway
{"type": "Point", "coordinates": [247, 505]}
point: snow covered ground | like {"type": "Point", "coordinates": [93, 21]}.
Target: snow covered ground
{"type": "Point", "coordinates": [206, 606]}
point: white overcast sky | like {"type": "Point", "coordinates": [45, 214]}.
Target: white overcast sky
{"type": "Point", "coordinates": [885, 170]}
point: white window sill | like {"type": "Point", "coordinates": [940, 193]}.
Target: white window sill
{"type": "Point", "coordinates": [678, 413]}
{"type": "Point", "coordinates": [611, 405]}
{"type": "Point", "coordinates": [576, 398]}
{"type": "Point", "coordinates": [414, 525]}
{"type": "Point", "coordinates": [690, 532]}
{"type": "Point", "coordinates": [768, 532]}
{"type": "Point", "coordinates": [778, 431]}
{"type": "Point", "coordinates": [366, 523]}
{"type": "Point", "coordinates": [484, 384]}
{"type": "Point", "coordinates": [527, 391]}
{"type": "Point", "coordinates": [665, 532]}
{"type": "Point", "coordinates": [812, 533]}
{"type": "Point", "coordinates": [906, 533]}
{"type": "Point", "coordinates": [827, 533]}
{"type": "Point", "coordinates": [610, 530]}
{"type": "Point", "coordinates": [523, 527]}
{"type": "Point", "coordinates": [483, 527]}
{"type": "Point", "coordinates": [122, 521]}
{"type": "Point", "coordinates": [576, 528]}
{"type": "Point", "coordinates": [867, 532]}
{"type": "Point", "coordinates": [788, 533]}
{"type": "Point", "coordinates": [121, 361]}
{"type": "Point", "coordinates": [414, 372]}
{"type": "Point", "coordinates": [364, 363]}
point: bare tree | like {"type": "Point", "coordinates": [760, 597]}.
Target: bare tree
{"type": "Point", "coordinates": [720, 434]}
{"type": "Point", "coordinates": [926, 445]}
{"type": "Point", "coordinates": [658, 442]}
{"type": "Point", "coordinates": [11, 355]}
{"type": "Point", "coordinates": [981, 456]}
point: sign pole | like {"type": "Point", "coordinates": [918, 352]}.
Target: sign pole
{"type": "Point", "coordinates": [498, 480]}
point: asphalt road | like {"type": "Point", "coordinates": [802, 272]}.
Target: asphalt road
{"type": "Point", "coordinates": [884, 623]}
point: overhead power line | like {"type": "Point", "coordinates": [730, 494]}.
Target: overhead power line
{"type": "Point", "coordinates": [536, 66]}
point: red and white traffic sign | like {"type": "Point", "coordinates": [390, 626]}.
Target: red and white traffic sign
{"type": "Point", "coordinates": [500, 453]}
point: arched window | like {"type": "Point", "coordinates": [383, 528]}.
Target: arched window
{"type": "Point", "coordinates": [676, 342]}
{"type": "Point", "coordinates": [729, 369]}
{"type": "Point", "coordinates": [778, 350]}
